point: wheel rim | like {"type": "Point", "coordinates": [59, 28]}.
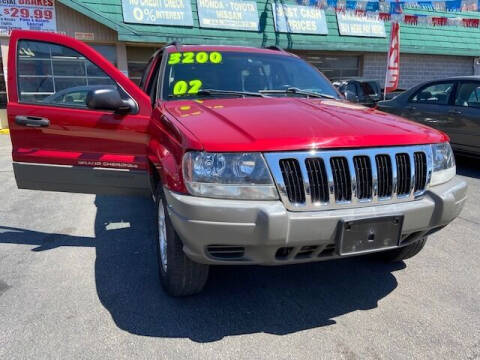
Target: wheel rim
{"type": "Point", "coordinates": [162, 236]}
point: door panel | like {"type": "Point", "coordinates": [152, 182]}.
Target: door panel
{"type": "Point", "coordinates": [59, 143]}
{"type": "Point", "coordinates": [465, 117]}
{"type": "Point", "coordinates": [430, 105]}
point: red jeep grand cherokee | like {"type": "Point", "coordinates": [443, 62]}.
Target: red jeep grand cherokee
{"type": "Point", "coordinates": [251, 154]}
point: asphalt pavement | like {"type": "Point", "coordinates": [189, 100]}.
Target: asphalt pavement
{"type": "Point", "coordinates": [78, 280]}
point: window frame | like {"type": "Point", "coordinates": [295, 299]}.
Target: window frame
{"type": "Point", "coordinates": [17, 78]}
{"type": "Point", "coordinates": [459, 84]}
{"type": "Point", "coordinates": [3, 106]}
{"type": "Point", "coordinates": [451, 98]}
{"type": "Point", "coordinates": [163, 55]}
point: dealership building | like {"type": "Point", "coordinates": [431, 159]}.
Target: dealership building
{"type": "Point", "coordinates": [127, 32]}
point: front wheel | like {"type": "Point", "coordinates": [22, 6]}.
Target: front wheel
{"type": "Point", "coordinates": [179, 275]}
{"type": "Point", "coordinates": [403, 253]}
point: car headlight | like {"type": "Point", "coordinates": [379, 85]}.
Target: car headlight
{"type": "Point", "coordinates": [228, 176]}
{"type": "Point", "coordinates": [444, 167]}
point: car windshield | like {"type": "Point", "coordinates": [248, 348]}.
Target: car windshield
{"type": "Point", "coordinates": [191, 74]}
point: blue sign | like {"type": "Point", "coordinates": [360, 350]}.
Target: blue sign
{"type": "Point", "coordinates": [228, 14]}
{"type": "Point", "coordinates": [158, 12]}
{"type": "Point", "coordinates": [299, 19]}
{"type": "Point", "coordinates": [351, 25]}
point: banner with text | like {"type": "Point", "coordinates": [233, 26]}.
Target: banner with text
{"type": "Point", "coordinates": [367, 26]}
{"type": "Point", "coordinates": [18, 14]}
{"type": "Point", "coordinates": [158, 12]}
{"type": "Point", "coordinates": [228, 14]}
{"type": "Point", "coordinates": [299, 19]}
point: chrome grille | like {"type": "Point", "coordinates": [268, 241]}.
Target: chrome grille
{"type": "Point", "coordinates": [318, 180]}
{"type": "Point", "coordinates": [293, 180]}
{"type": "Point", "coordinates": [403, 174]}
{"type": "Point", "coordinates": [363, 172]}
{"type": "Point", "coordinates": [317, 176]}
{"type": "Point", "coordinates": [385, 177]}
{"type": "Point", "coordinates": [341, 179]}
{"type": "Point", "coordinates": [420, 171]}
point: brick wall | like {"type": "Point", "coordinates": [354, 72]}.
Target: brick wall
{"type": "Point", "coordinates": [417, 68]}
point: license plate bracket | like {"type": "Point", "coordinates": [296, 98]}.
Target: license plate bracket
{"type": "Point", "coordinates": [368, 235]}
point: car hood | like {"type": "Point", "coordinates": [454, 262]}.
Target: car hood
{"type": "Point", "coordinates": [281, 124]}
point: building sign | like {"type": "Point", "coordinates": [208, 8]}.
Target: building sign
{"type": "Point", "coordinates": [84, 36]}
{"type": "Point", "coordinates": [228, 14]}
{"type": "Point", "coordinates": [299, 19]}
{"type": "Point", "coordinates": [158, 12]}
{"type": "Point", "coordinates": [351, 25]}
{"type": "Point", "coordinates": [19, 14]}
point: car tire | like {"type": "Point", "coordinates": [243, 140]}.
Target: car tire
{"type": "Point", "coordinates": [179, 275]}
{"type": "Point", "coordinates": [403, 253]}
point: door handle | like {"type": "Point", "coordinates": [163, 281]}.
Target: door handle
{"type": "Point", "coordinates": [411, 108]}
{"type": "Point", "coordinates": [32, 121]}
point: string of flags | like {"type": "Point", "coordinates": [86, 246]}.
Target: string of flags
{"type": "Point", "coordinates": [391, 10]}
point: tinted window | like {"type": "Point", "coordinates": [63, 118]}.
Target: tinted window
{"type": "Point", "coordinates": [54, 74]}
{"type": "Point", "coordinates": [368, 88]}
{"type": "Point", "coordinates": [438, 94]}
{"type": "Point", "coordinates": [239, 71]}
{"type": "Point", "coordinates": [351, 87]}
{"type": "Point", "coordinates": [468, 94]}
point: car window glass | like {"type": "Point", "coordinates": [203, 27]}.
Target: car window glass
{"type": "Point", "coordinates": [74, 97]}
{"type": "Point", "coordinates": [54, 74]}
{"type": "Point", "coordinates": [3, 89]}
{"type": "Point", "coordinates": [468, 94]}
{"type": "Point", "coordinates": [438, 94]}
{"type": "Point", "coordinates": [188, 72]}
{"type": "Point", "coordinates": [351, 87]}
{"type": "Point", "coordinates": [368, 88]}
{"type": "Point", "coordinates": [360, 91]}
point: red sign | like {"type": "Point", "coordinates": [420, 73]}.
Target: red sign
{"type": "Point", "coordinates": [393, 59]}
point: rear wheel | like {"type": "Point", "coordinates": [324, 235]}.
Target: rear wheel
{"type": "Point", "coordinates": [404, 252]}
{"type": "Point", "coordinates": [179, 275]}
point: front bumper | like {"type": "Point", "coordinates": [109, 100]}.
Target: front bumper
{"type": "Point", "coordinates": [263, 232]}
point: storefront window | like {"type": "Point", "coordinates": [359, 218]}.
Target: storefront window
{"type": "Point", "coordinates": [137, 58]}
{"type": "Point", "coordinates": [335, 67]}
{"type": "Point", "coordinates": [3, 90]}
{"type": "Point", "coordinates": [109, 52]}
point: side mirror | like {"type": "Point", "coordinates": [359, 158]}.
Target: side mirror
{"type": "Point", "coordinates": [350, 96]}
{"type": "Point", "coordinates": [109, 99]}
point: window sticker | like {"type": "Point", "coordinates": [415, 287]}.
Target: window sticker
{"type": "Point", "coordinates": [182, 87]}
{"type": "Point", "coordinates": [189, 57]}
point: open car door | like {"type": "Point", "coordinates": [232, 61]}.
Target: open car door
{"type": "Point", "coordinates": [77, 124]}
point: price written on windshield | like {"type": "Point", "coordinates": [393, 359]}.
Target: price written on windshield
{"type": "Point", "coordinates": [195, 58]}
{"type": "Point", "coordinates": [28, 13]}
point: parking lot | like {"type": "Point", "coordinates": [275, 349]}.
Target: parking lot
{"type": "Point", "coordinates": [78, 279]}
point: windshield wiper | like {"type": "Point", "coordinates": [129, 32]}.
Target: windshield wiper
{"type": "Point", "coordinates": [209, 92]}
{"type": "Point", "coordinates": [294, 90]}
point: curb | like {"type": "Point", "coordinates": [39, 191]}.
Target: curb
{"type": "Point", "coordinates": [4, 131]}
